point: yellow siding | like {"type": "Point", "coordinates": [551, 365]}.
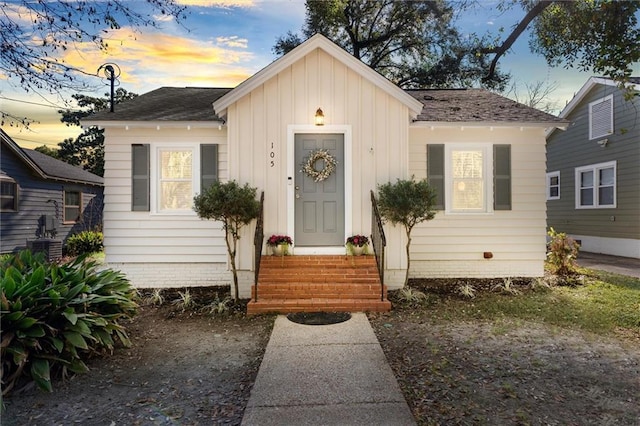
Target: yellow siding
{"type": "Point", "coordinates": [153, 238]}
{"type": "Point", "coordinates": [452, 245]}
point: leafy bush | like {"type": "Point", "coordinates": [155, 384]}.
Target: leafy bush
{"type": "Point", "coordinates": [55, 316]}
{"type": "Point", "coordinates": [84, 242]}
{"type": "Point", "coordinates": [563, 251]}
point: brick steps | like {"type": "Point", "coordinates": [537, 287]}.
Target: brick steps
{"type": "Point", "coordinates": [318, 283]}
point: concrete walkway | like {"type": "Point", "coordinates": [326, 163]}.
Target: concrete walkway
{"type": "Point", "coordinates": [325, 375]}
{"type": "Point", "coordinates": [619, 265]}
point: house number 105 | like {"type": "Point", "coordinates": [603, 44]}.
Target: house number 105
{"type": "Point", "coordinates": [272, 155]}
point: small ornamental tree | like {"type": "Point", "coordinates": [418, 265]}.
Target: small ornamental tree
{"type": "Point", "coordinates": [233, 205]}
{"type": "Point", "coordinates": [408, 203]}
{"type": "Point", "coordinates": [562, 254]}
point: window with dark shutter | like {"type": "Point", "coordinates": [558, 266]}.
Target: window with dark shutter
{"type": "Point", "coordinates": [435, 172]}
{"type": "Point", "coordinates": [502, 177]}
{"type": "Point", "coordinates": [208, 165]}
{"type": "Point", "coordinates": [140, 177]}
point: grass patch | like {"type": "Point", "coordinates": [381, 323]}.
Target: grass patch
{"type": "Point", "coordinates": [605, 303]}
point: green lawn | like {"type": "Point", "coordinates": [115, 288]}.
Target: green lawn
{"type": "Point", "coordinates": [604, 303]}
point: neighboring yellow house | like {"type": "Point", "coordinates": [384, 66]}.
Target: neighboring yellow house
{"type": "Point", "coordinates": [483, 152]}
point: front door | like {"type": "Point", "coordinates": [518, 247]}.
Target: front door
{"type": "Point", "coordinates": [319, 195]}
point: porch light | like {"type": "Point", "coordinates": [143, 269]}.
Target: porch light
{"type": "Point", "coordinates": [319, 117]}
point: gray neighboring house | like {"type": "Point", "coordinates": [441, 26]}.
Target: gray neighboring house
{"type": "Point", "coordinates": [43, 198]}
{"type": "Point", "coordinates": [593, 170]}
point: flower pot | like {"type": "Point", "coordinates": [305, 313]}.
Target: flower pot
{"type": "Point", "coordinates": [280, 250]}
{"type": "Point", "coordinates": [357, 250]}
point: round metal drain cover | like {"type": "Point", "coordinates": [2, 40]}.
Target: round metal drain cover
{"type": "Point", "coordinates": [319, 318]}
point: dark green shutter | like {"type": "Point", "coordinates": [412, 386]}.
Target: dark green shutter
{"type": "Point", "coordinates": [435, 172]}
{"type": "Point", "coordinates": [208, 166]}
{"type": "Point", "coordinates": [502, 177]}
{"type": "Point", "coordinates": [140, 177]}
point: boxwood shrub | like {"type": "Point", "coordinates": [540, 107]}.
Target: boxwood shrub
{"type": "Point", "coordinates": [84, 242]}
{"type": "Point", "coordinates": [53, 317]}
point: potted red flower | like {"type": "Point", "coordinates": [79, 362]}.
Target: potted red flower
{"type": "Point", "coordinates": [357, 245]}
{"type": "Point", "coordinates": [279, 244]}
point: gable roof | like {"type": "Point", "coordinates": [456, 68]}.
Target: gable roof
{"type": "Point", "coordinates": [48, 167]}
{"type": "Point", "coordinates": [166, 104]}
{"type": "Point", "coordinates": [318, 41]}
{"type": "Point", "coordinates": [477, 105]}
{"type": "Point", "coordinates": [634, 84]}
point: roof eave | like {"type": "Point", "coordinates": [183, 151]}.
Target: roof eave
{"type": "Point", "coordinates": [158, 124]}
{"type": "Point", "coordinates": [488, 124]}
{"type": "Point", "coordinates": [15, 148]}
{"type": "Point", "coordinates": [586, 88]}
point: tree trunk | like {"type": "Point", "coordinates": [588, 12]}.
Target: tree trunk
{"type": "Point", "coordinates": [232, 256]}
{"type": "Point", "coordinates": [406, 277]}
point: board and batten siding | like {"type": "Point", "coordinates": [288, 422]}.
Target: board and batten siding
{"type": "Point", "coordinates": [259, 126]}
{"type": "Point", "coordinates": [606, 230]}
{"type": "Point", "coordinates": [36, 198]}
{"type": "Point", "coordinates": [452, 245]}
{"type": "Point", "coordinates": [147, 245]}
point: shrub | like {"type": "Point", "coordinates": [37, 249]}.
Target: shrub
{"type": "Point", "coordinates": [55, 316]}
{"type": "Point", "coordinates": [84, 242]}
{"type": "Point", "coordinates": [563, 251]}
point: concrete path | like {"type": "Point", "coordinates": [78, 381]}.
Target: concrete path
{"type": "Point", "coordinates": [325, 375]}
{"type": "Point", "coordinates": [618, 265]}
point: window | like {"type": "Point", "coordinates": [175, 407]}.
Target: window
{"type": "Point", "coordinates": [467, 178]}
{"type": "Point", "coordinates": [178, 174]}
{"type": "Point", "coordinates": [596, 186]}
{"type": "Point", "coordinates": [72, 206]}
{"type": "Point", "coordinates": [175, 179]}
{"type": "Point", "coordinates": [601, 117]}
{"type": "Point", "coordinates": [553, 186]}
{"type": "Point", "coordinates": [8, 195]}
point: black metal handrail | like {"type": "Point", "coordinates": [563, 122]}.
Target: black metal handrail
{"type": "Point", "coordinates": [258, 239]}
{"type": "Point", "coordinates": [378, 240]}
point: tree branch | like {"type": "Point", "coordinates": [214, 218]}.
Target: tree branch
{"type": "Point", "coordinates": [517, 32]}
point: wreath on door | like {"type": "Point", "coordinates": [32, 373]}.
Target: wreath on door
{"type": "Point", "coordinates": [329, 165]}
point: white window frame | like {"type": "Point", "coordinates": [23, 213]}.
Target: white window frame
{"type": "Point", "coordinates": [591, 105]}
{"type": "Point", "coordinates": [487, 160]}
{"type": "Point", "coordinates": [154, 186]}
{"type": "Point", "coordinates": [551, 175]}
{"type": "Point", "coordinates": [595, 168]}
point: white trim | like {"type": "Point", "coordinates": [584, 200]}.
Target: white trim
{"type": "Point", "coordinates": [488, 124]}
{"type": "Point", "coordinates": [318, 41]}
{"type": "Point", "coordinates": [586, 89]}
{"type": "Point", "coordinates": [487, 163]}
{"type": "Point", "coordinates": [345, 130]}
{"type": "Point", "coordinates": [591, 105]}
{"type": "Point", "coordinates": [596, 201]}
{"type": "Point", "coordinates": [627, 247]}
{"type": "Point", "coordinates": [154, 164]}
{"type": "Point", "coordinates": [158, 124]}
{"type": "Point", "coordinates": [548, 184]}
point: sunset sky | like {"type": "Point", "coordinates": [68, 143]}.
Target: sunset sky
{"type": "Point", "coordinates": [222, 43]}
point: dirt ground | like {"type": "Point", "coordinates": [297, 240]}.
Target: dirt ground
{"type": "Point", "coordinates": [510, 372]}
{"type": "Point", "coordinates": [198, 369]}
{"type": "Point", "coordinates": [182, 369]}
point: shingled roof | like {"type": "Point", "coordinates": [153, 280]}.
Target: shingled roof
{"type": "Point", "coordinates": [475, 105]}
{"type": "Point", "coordinates": [48, 167]}
{"type": "Point", "coordinates": [167, 104]}
{"type": "Point", "coordinates": [439, 105]}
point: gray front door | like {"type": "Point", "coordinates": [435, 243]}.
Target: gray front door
{"type": "Point", "coordinates": [319, 206]}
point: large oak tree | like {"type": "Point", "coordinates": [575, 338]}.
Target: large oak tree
{"type": "Point", "coordinates": [412, 43]}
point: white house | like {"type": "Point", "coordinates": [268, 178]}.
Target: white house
{"type": "Point", "coordinates": [484, 153]}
